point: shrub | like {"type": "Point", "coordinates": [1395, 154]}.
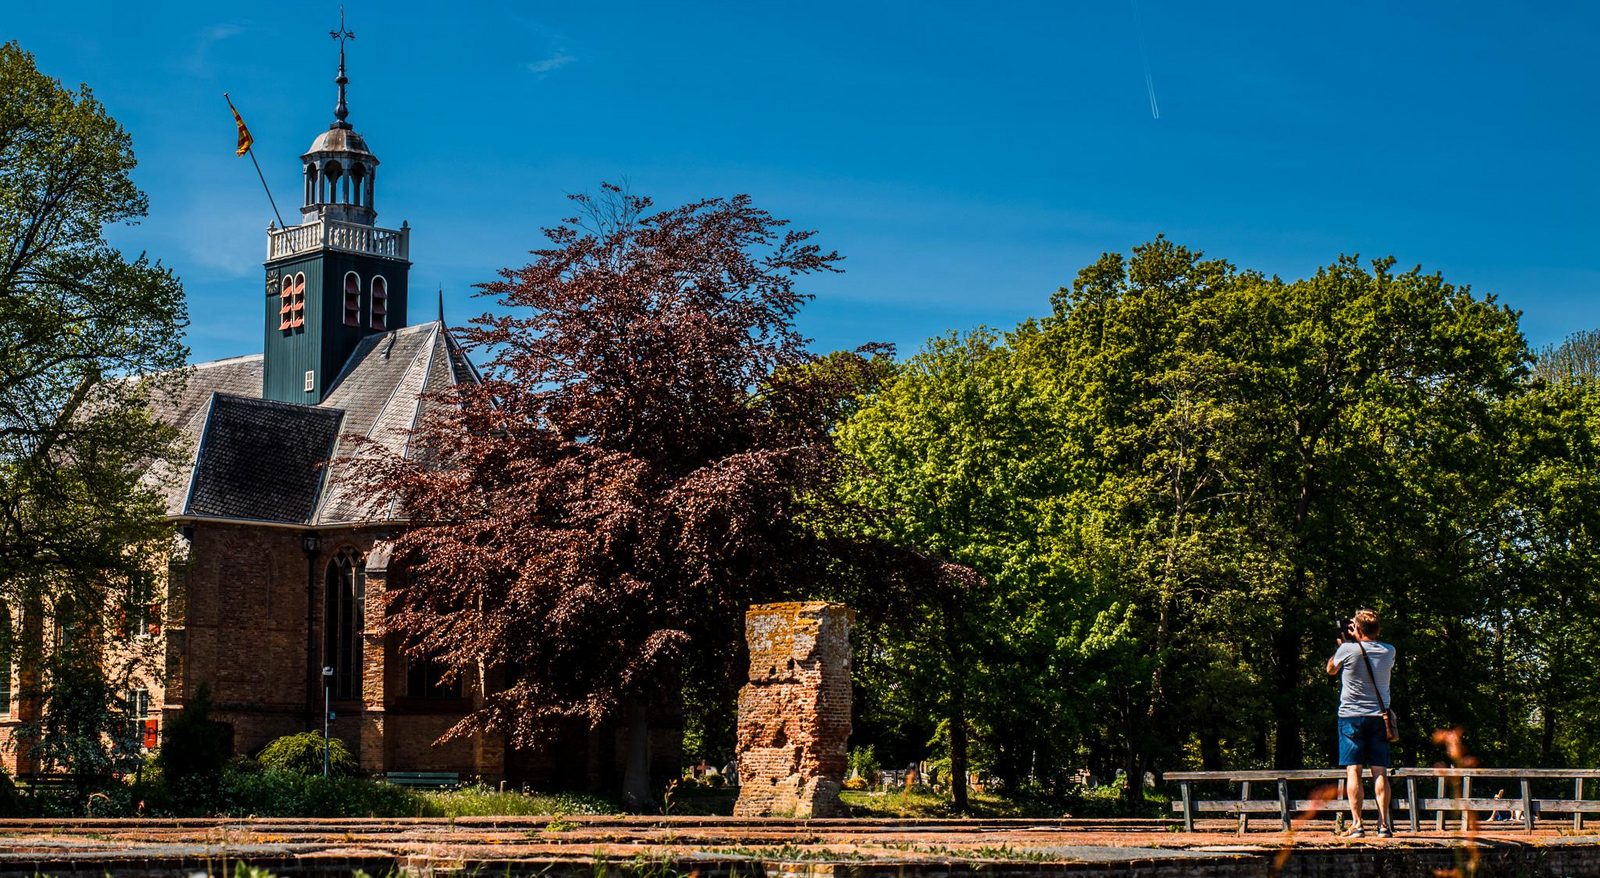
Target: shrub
{"type": "Point", "coordinates": [478, 800]}
{"type": "Point", "coordinates": [276, 793]}
{"type": "Point", "coordinates": [864, 764]}
{"type": "Point", "coordinates": [302, 754]}
{"type": "Point", "coordinates": [9, 805]}
{"type": "Point", "coordinates": [194, 746]}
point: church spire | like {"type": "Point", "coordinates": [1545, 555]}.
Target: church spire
{"type": "Point", "coordinates": [341, 110]}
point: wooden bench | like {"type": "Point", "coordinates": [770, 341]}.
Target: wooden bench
{"type": "Point", "coordinates": [37, 782]}
{"type": "Point", "coordinates": [430, 780]}
{"type": "Point", "coordinates": [1452, 794]}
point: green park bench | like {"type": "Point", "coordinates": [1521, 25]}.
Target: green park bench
{"type": "Point", "coordinates": [1452, 788]}
{"type": "Point", "coordinates": [430, 780]}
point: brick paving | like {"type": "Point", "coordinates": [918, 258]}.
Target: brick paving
{"type": "Point", "coordinates": [756, 848]}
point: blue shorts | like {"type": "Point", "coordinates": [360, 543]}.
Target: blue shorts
{"type": "Point", "coordinates": [1362, 742]}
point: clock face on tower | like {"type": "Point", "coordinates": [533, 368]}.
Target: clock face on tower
{"type": "Point", "coordinates": [272, 283]}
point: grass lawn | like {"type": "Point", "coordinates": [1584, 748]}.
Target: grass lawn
{"type": "Point", "coordinates": [924, 803]}
{"type": "Point", "coordinates": [1087, 802]}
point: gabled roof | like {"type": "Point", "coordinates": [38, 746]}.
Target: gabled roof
{"type": "Point", "coordinates": [261, 460]}
{"type": "Point", "coordinates": [271, 461]}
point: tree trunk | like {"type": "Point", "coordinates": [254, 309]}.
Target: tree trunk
{"type": "Point", "coordinates": [1210, 750]}
{"type": "Point", "coordinates": [636, 769]}
{"type": "Point", "coordinates": [1288, 751]}
{"type": "Point", "coordinates": [958, 752]}
{"type": "Point", "coordinates": [953, 631]}
{"type": "Point", "coordinates": [1547, 734]}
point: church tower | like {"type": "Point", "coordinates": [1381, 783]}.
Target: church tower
{"type": "Point", "coordinates": [337, 277]}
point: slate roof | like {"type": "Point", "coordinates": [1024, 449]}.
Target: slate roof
{"type": "Point", "coordinates": [268, 461]}
{"type": "Point", "coordinates": [261, 460]}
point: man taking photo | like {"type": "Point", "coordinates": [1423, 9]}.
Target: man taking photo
{"type": "Point", "coordinates": [1363, 664]}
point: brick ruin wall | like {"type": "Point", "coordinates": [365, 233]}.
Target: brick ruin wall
{"type": "Point", "coordinates": [794, 713]}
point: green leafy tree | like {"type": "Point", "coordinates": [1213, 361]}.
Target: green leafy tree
{"type": "Point", "coordinates": [957, 458]}
{"type": "Point", "coordinates": [86, 727]}
{"type": "Point", "coordinates": [1174, 483]}
{"type": "Point", "coordinates": [84, 333]}
{"type": "Point", "coordinates": [1271, 454]}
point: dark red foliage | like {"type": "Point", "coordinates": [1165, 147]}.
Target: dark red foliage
{"type": "Point", "coordinates": [626, 479]}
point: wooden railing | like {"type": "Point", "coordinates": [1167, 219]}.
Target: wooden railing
{"type": "Point", "coordinates": [1452, 794]}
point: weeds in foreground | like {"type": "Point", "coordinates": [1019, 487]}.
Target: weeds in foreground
{"type": "Point", "coordinates": [788, 853]}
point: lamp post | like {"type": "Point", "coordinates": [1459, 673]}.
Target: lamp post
{"type": "Point", "coordinates": [327, 714]}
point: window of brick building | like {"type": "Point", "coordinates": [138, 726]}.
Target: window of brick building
{"type": "Point", "coordinates": [64, 634]}
{"type": "Point", "coordinates": [424, 680]}
{"type": "Point", "coordinates": [139, 614]}
{"type": "Point", "coordinates": [344, 593]}
{"type": "Point", "coordinates": [141, 726]}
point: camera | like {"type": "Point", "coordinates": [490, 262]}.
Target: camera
{"type": "Point", "coordinates": [1347, 630]}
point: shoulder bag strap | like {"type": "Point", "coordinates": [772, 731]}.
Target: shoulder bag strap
{"type": "Point", "coordinates": [1374, 677]}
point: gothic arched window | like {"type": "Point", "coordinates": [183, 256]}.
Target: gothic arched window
{"type": "Point", "coordinates": [380, 303]}
{"type": "Point", "coordinates": [343, 596]}
{"type": "Point", "coordinates": [352, 299]}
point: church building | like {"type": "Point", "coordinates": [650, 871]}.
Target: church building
{"type": "Point", "coordinates": [274, 593]}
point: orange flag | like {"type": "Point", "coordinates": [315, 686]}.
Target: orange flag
{"type": "Point", "coordinates": [245, 140]}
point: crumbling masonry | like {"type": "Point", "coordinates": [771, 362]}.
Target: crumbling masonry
{"type": "Point", "coordinates": [794, 714]}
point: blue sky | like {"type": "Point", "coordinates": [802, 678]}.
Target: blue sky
{"type": "Point", "coordinates": [967, 159]}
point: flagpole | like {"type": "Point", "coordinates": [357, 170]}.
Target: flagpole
{"type": "Point", "coordinates": [251, 151]}
{"type": "Point", "coordinates": [273, 201]}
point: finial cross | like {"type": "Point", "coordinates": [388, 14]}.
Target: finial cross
{"type": "Point", "coordinates": [341, 110]}
{"type": "Point", "coordinates": [341, 34]}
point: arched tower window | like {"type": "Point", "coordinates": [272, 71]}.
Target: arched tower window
{"type": "Point", "coordinates": [380, 303]}
{"type": "Point", "coordinates": [286, 303]}
{"type": "Point", "coordinates": [352, 299]}
{"type": "Point", "coordinates": [311, 184]}
{"type": "Point", "coordinates": [332, 173]}
{"type": "Point", "coordinates": [292, 307]}
{"type": "Point", "coordinates": [344, 593]}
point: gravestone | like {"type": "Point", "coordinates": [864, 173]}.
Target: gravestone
{"type": "Point", "coordinates": [794, 713]}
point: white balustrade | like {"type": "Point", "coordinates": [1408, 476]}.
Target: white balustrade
{"type": "Point", "coordinates": [338, 235]}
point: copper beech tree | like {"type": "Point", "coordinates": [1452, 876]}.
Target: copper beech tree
{"type": "Point", "coordinates": [595, 515]}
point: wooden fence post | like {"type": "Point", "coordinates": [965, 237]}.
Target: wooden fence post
{"type": "Point", "coordinates": [1283, 803]}
{"type": "Point", "coordinates": [1438, 813]}
{"type": "Point", "coordinates": [1466, 813]}
{"type": "Point", "coordinates": [1411, 800]}
{"type": "Point", "coordinates": [1577, 796]}
{"type": "Point", "coordinates": [1188, 806]}
{"type": "Point", "coordinates": [1527, 806]}
{"type": "Point", "coordinates": [1244, 798]}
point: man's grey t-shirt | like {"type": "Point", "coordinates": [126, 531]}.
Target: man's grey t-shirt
{"type": "Point", "coordinates": [1356, 695]}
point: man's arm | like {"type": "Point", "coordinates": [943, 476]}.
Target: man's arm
{"type": "Point", "coordinates": [1335, 662]}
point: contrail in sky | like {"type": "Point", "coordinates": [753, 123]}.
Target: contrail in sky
{"type": "Point", "coordinates": [1149, 81]}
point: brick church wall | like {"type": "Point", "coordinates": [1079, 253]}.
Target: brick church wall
{"type": "Point", "coordinates": [794, 714]}
{"type": "Point", "coordinates": [241, 629]}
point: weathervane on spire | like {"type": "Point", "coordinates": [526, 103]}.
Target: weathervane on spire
{"type": "Point", "coordinates": [341, 111]}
